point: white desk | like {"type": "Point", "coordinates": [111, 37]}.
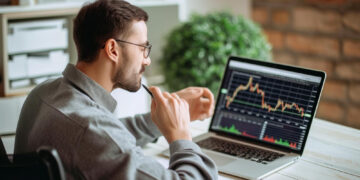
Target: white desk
{"type": "Point", "coordinates": [332, 152]}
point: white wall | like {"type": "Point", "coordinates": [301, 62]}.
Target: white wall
{"type": "Point", "coordinates": [131, 103]}
{"type": "Point", "coordinates": [237, 7]}
{"type": "Point", "coordinates": [10, 108]}
{"type": "Point", "coordinates": [162, 20]}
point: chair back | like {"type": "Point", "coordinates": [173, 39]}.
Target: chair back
{"type": "Point", "coordinates": [44, 164]}
{"type": "Point", "coordinates": [53, 163]}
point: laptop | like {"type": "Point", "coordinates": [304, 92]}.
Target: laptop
{"type": "Point", "coordinates": [262, 117]}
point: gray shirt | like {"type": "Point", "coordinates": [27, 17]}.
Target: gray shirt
{"type": "Point", "coordinates": [74, 115]}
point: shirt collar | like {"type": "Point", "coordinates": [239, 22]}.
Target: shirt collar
{"type": "Point", "coordinates": [89, 87]}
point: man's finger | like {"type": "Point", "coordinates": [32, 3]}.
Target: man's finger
{"type": "Point", "coordinates": [158, 96]}
{"type": "Point", "coordinates": [153, 105]}
{"type": "Point", "coordinates": [166, 95]}
{"type": "Point", "coordinates": [190, 92]}
{"type": "Point", "coordinates": [208, 94]}
{"type": "Point", "coordinates": [208, 107]}
{"type": "Point", "coordinates": [196, 91]}
{"type": "Point", "coordinates": [174, 95]}
{"type": "Point", "coordinates": [205, 100]}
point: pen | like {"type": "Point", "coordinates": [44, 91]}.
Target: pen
{"type": "Point", "coordinates": [146, 88]}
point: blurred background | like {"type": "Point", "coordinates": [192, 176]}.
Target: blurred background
{"type": "Point", "coordinates": [318, 34]}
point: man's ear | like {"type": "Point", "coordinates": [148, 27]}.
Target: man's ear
{"type": "Point", "coordinates": [112, 50]}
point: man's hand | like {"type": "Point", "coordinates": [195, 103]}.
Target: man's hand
{"type": "Point", "coordinates": [200, 100]}
{"type": "Point", "coordinates": [171, 115]}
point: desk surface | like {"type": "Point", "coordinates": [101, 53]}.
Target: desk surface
{"type": "Point", "coordinates": [332, 151]}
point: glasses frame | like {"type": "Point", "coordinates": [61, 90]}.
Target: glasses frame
{"type": "Point", "coordinates": [148, 47]}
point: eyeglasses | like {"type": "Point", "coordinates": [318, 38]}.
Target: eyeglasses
{"type": "Point", "coordinates": [147, 48]}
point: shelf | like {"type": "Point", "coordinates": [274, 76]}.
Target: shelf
{"type": "Point", "coordinates": [38, 51]}
{"type": "Point", "coordinates": [40, 7]}
{"type": "Point", "coordinates": [78, 5]}
{"type": "Point", "coordinates": [32, 78]}
{"type": "Point", "coordinates": [13, 85]}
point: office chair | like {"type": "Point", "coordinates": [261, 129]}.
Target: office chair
{"type": "Point", "coordinates": [44, 164]}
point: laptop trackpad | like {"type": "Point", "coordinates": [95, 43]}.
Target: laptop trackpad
{"type": "Point", "coordinates": [220, 160]}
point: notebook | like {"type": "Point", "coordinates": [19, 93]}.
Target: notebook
{"type": "Point", "coordinates": [262, 117]}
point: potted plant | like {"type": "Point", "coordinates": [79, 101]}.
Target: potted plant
{"type": "Point", "coordinates": [196, 52]}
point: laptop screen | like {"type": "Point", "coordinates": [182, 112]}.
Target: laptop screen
{"type": "Point", "coordinates": [267, 102]}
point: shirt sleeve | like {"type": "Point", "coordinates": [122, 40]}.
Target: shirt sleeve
{"type": "Point", "coordinates": [142, 128]}
{"type": "Point", "coordinates": [111, 153]}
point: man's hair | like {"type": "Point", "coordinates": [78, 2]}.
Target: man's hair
{"type": "Point", "coordinates": [101, 20]}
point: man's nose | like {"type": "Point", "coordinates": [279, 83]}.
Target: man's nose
{"type": "Point", "coordinates": [147, 61]}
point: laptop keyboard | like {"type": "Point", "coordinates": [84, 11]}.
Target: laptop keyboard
{"type": "Point", "coordinates": [239, 150]}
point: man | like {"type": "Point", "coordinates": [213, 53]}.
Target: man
{"type": "Point", "coordinates": [74, 114]}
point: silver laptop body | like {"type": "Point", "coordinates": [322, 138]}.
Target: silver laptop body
{"type": "Point", "coordinates": [262, 117]}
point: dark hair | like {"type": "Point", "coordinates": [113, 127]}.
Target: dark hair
{"type": "Point", "coordinates": [101, 20]}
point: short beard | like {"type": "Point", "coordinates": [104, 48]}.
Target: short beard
{"type": "Point", "coordinates": [128, 84]}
